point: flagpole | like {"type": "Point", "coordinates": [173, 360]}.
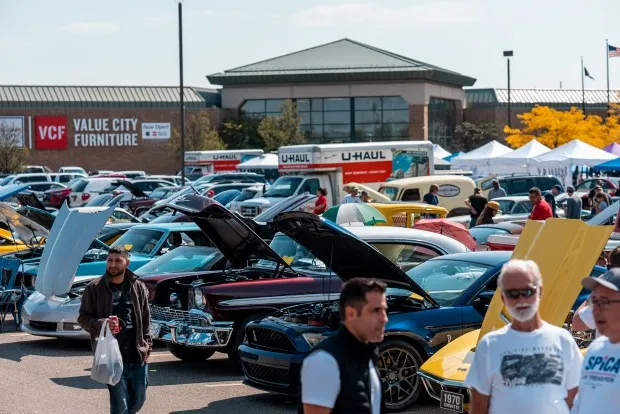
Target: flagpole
{"type": "Point", "coordinates": [607, 53]}
{"type": "Point", "coordinates": [583, 89]}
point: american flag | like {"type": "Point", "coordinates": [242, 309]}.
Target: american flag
{"type": "Point", "coordinates": [613, 51]}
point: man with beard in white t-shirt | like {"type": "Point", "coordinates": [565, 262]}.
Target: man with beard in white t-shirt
{"type": "Point", "coordinates": [529, 366]}
{"type": "Point", "coordinates": [599, 388]}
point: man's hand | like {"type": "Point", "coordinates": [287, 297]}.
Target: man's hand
{"type": "Point", "coordinates": [114, 324]}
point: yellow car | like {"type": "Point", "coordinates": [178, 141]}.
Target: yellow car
{"type": "Point", "coordinates": [565, 251]}
{"type": "Point", "coordinates": [8, 244]}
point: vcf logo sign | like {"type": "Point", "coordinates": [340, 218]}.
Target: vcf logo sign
{"type": "Point", "coordinates": [51, 132]}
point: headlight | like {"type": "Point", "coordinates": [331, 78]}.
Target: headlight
{"type": "Point", "coordinates": [199, 298]}
{"type": "Point", "coordinates": [312, 338]}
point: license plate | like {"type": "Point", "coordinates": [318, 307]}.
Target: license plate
{"type": "Point", "coordinates": [451, 401]}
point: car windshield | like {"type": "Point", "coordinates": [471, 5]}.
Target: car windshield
{"type": "Point", "coordinates": [294, 254]}
{"type": "Point", "coordinates": [445, 280]}
{"type": "Point", "coordinates": [140, 241]}
{"type": "Point", "coordinates": [180, 260]}
{"type": "Point", "coordinates": [505, 206]}
{"type": "Point", "coordinates": [159, 193]}
{"type": "Point", "coordinates": [390, 192]}
{"type": "Point", "coordinates": [481, 234]}
{"type": "Point", "coordinates": [246, 195]}
{"type": "Point", "coordinates": [284, 187]}
{"type": "Point", "coordinates": [99, 200]}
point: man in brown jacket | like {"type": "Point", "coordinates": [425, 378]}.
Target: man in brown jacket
{"type": "Point", "coordinates": [119, 293]}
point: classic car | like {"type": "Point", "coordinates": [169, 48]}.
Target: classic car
{"type": "Point", "coordinates": [18, 232]}
{"type": "Point", "coordinates": [197, 315]}
{"type": "Point", "coordinates": [482, 232]}
{"type": "Point", "coordinates": [565, 251]}
{"type": "Point", "coordinates": [429, 306]}
{"type": "Point", "coordinates": [45, 315]}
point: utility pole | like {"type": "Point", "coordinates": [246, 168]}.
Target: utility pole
{"type": "Point", "coordinates": [181, 90]}
{"type": "Point", "coordinates": [508, 54]}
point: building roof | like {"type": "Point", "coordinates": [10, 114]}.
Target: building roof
{"type": "Point", "coordinates": [344, 60]}
{"type": "Point", "coordinates": [98, 96]}
{"type": "Point", "coordinates": [530, 97]}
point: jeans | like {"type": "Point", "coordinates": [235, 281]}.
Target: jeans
{"type": "Point", "coordinates": [474, 221]}
{"type": "Point", "coordinates": [128, 396]}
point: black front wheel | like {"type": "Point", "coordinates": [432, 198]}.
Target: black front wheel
{"type": "Point", "coordinates": [185, 353]}
{"type": "Point", "coordinates": [398, 365]}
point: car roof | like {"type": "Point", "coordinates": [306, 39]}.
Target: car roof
{"type": "Point", "coordinates": [504, 225]}
{"type": "Point", "coordinates": [386, 233]}
{"type": "Point", "coordinates": [512, 198]}
{"type": "Point", "coordinates": [169, 226]}
{"type": "Point", "coordinates": [30, 174]}
{"type": "Point", "coordinates": [503, 177]}
{"type": "Point", "coordinates": [489, 258]}
{"type": "Point", "coordinates": [431, 179]}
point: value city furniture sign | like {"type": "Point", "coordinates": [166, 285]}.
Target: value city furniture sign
{"type": "Point", "coordinates": [105, 132]}
{"type": "Point", "coordinates": [50, 132]}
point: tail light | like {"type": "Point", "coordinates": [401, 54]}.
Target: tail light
{"type": "Point", "coordinates": [85, 196]}
{"type": "Point", "coordinates": [210, 193]}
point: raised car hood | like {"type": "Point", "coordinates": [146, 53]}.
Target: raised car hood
{"type": "Point", "coordinates": [24, 228]}
{"type": "Point", "coordinates": [237, 242]}
{"type": "Point", "coordinates": [29, 198]}
{"type": "Point", "coordinates": [9, 191]}
{"type": "Point", "coordinates": [344, 253]}
{"type": "Point", "coordinates": [41, 217]}
{"type": "Point", "coordinates": [72, 233]}
{"type": "Point", "coordinates": [565, 251]}
{"type": "Point", "coordinates": [135, 191]}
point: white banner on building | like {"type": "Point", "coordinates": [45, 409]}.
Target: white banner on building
{"type": "Point", "coordinates": [155, 130]}
{"type": "Point", "coordinates": [12, 130]}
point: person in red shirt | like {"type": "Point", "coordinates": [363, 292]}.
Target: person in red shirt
{"type": "Point", "coordinates": [321, 203]}
{"type": "Point", "coordinates": [541, 209]}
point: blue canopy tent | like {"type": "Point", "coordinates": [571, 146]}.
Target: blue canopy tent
{"type": "Point", "coordinates": [611, 165]}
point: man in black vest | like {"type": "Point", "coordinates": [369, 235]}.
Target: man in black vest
{"type": "Point", "coordinates": [340, 374]}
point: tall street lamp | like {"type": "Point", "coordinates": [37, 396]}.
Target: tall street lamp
{"type": "Point", "coordinates": [508, 54]}
{"type": "Point", "coordinates": [181, 97]}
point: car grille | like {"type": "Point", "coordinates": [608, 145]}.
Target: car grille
{"type": "Point", "coordinates": [43, 326]}
{"type": "Point", "coordinates": [160, 313]}
{"type": "Point", "coordinates": [250, 211]}
{"type": "Point", "coordinates": [269, 339]}
{"type": "Point", "coordinates": [266, 374]}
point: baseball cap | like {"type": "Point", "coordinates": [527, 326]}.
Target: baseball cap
{"type": "Point", "coordinates": [493, 204]}
{"type": "Point", "coordinates": [570, 188]}
{"type": "Point", "coordinates": [558, 187]}
{"type": "Point", "coordinates": [610, 279]}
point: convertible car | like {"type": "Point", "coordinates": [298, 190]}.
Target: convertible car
{"type": "Point", "coordinates": [199, 314]}
{"type": "Point", "coordinates": [431, 305]}
{"type": "Point", "coordinates": [564, 250]}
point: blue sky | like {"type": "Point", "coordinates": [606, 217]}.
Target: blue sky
{"type": "Point", "coordinates": [134, 42]}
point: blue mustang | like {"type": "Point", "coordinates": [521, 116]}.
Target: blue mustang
{"type": "Point", "coordinates": [432, 304]}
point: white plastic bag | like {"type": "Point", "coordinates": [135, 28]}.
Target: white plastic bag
{"type": "Point", "coordinates": [108, 362]}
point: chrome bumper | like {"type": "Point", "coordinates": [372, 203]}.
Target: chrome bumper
{"type": "Point", "coordinates": [434, 386]}
{"type": "Point", "coordinates": [197, 330]}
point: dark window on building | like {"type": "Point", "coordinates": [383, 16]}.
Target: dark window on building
{"type": "Point", "coordinates": [441, 121]}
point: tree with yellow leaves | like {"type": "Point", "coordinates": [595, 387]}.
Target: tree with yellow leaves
{"type": "Point", "coordinates": [554, 128]}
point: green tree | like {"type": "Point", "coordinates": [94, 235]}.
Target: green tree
{"type": "Point", "coordinates": [199, 136]}
{"type": "Point", "coordinates": [469, 136]}
{"type": "Point", "coordinates": [283, 129]}
{"type": "Point", "coordinates": [12, 157]}
{"type": "Point", "coordinates": [242, 133]}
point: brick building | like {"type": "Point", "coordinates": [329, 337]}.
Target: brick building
{"type": "Point", "coordinates": [101, 127]}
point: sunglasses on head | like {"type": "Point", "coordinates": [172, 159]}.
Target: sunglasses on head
{"type": "Point", "coordinates": [516, 293]}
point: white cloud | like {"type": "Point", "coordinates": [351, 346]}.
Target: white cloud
{"type": "Point", "coordinates": [95, 28]}
{"type": "Point", "coordinates": [377, 15]}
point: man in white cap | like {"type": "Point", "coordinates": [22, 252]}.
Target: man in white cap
{"type": "Point", "coordinates": [599, 388]}
{"type": "Point", "coordinates": [353, 196]}
{"type": "Point", "coordinates": [528, 366]}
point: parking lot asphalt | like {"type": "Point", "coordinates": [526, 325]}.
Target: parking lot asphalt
{"type": "Point", "coordinates": [44, 375]}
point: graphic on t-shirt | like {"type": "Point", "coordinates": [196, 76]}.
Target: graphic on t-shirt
{"type": "Point", "coordinates": [601, 369]}
{"type": "Point", "coordinates": [533, 369]}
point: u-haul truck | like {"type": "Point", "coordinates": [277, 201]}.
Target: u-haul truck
{"type": "Point", "coordinates": [209, 162]}
{"type": "Point", "coordinates": [305, 168]}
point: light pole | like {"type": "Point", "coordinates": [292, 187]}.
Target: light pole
{"type": "Point", "coordinates": [508, 54]}
{"type": "Point", "coordinates": [181, 97]}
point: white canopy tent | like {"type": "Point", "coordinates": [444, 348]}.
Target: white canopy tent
{"type": "Point", "coordinates": [263, 162]}
{"type": "Point", "coordinates": [519, 160]}
{"type": "Point", "coordinates": [559, 161]}
{"type": "Point", "coordinates": [478, 161]}
{"type": "Point", "coordinates": [439, 152]}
